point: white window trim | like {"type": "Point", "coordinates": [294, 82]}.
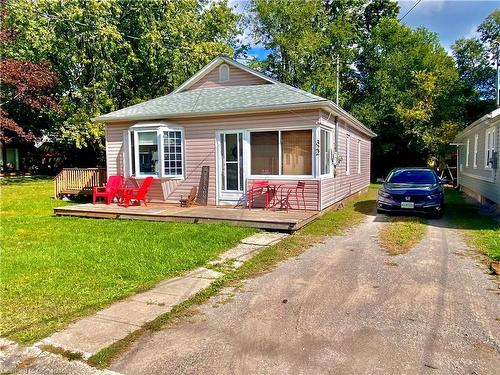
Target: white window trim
{"type": "Point", "coordinates": [279, 175]}
{"type": "Point", "coordinates": [228, 73]}
{"type": "Point", "coordinates": [476, 144]}
{"type": "Point", "coordinates": [159, 129]}
{"type": "Point", "coordinates": [359, 156]}
{"type": "Point", "coordinates": [467, 153]}
{"type": "Point", "coordinates": [491, 132]}
{"type": "Point", "coordinates": [329, 174]}
{"type": "Point", "coordinates": [347, 154]}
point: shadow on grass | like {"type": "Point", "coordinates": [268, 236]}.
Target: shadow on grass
{"type": "Point", "coordinates": [16, 180]}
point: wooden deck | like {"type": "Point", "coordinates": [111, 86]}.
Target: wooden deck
{"type": "Point", "coordinates": [258, 218]}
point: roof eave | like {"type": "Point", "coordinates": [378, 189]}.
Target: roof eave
{"type": "Point", "coordinates": [303, 105]}
{"type": "Point", "coordinates": [353, 121]}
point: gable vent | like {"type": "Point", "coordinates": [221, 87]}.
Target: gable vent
{"type": "Point", "coordinates": [223, 73]}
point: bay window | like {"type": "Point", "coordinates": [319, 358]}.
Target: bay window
{"type": "Point", "coordinates": [156, 152]}
{"type": "Point", "coordinates": [283, 152]}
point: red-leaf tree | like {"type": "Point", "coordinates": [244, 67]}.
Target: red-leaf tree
{"type": "Point", "coordinates": [26, 90]}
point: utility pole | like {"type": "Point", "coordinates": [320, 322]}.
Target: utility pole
{"type": "Point", "coordinates": [497, 77]}
{"type": "Point", "coordinates": [338, 73]}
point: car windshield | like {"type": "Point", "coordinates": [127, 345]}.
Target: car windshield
{"type": "Point", "coordinates": [412, 176]}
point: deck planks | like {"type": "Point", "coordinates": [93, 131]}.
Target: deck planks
{"type": "Point", "coordinates": [257, 218]}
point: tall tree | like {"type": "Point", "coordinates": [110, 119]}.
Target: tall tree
{"type": "Point", "coordinates": [26, 94]}
{"type": "Point", "coordinates": [410, 95]}
{"type": "Point", "coordinates": [113, 53]}
{"type": "Point", "coordinates": [475, 59]}
{"type": "Point", "coordinates": [305, 39]}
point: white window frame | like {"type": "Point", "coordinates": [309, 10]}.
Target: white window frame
{"type": "Point", "coordinates": [221, 76]}
{"type": "Point", "coordinates": [489, 134]}
{"type": "Point", "coordinates": [280, 157]}
{"type": "Point", "coordinates": [476, 144]}
{"type": "Point", "coordinates": [467, 153]}
{"type": "Point", "coordinates": [160, 129]}
{"type": "Point", "coordinates": [347, 154]}
{"type": "Point", "coordinates": [359, 156]}
{"type": "Point", "coordinates": [322, 153]}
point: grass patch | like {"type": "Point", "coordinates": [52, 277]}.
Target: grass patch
{"type": "Point", "coordinates": [482, 232]}
{"type": "Point", "coordinates": [72, 356]}
{"type": "Point", "coordinates": [57, 269]}
{"type": "Point", "coordinates": [401, 234]}
{"type": "Point", "coordinates": [333, 222]}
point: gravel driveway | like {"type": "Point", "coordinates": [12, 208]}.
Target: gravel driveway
{"type": "Point", "coordinates": [350, 309]}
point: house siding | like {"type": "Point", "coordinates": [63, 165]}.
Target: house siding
{"type": "Point", "coordinates": [200, 150]}
{"type": "Point", "coordinates": [237, 77]}
{"type": "Point", "coordinates": [479, 182]}
{"type": "Point", "coordinates": [335, 188]}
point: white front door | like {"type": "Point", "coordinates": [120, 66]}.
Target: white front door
{"type": "Point", "coordinates": [230, 166]}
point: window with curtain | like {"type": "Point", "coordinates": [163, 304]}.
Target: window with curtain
{"type": "Point", "coordinates": [296, 150]}
{"type": "Point", "coordinates": [347, 154]}
{"type": "Point", "coordinates": [264, 148]}
{"type": "Point", "coordinates": [287, 152]}
{"type": "Point", "coordinates": [489, 146]}
{"type": "Point", "coordinates": [359, 156]}
{"type": "Point", "coordinates": [476, 144]}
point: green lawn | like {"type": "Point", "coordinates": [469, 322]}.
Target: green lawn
{"type": "Point", "coordinates": [56, 269]}
{"type": "Point", "coordinates": [401, 233]}
{"type": "Point", "coordinates": [481, 231]}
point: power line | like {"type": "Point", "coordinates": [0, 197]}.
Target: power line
{"type": "Point", "coordinates": [418, 2]}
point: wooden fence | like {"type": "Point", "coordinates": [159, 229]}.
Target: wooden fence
{"type": "Point", "coordinates": [78, 181]}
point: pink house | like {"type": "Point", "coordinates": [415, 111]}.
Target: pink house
{"type": "Point", "coordinates": [245, 126]}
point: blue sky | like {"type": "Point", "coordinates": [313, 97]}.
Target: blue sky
{"type": "Point", "coordinates": [450, 19]}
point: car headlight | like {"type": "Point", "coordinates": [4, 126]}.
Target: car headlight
{"type": "Point", "coordinates": [434, 196]}
{"type": "Point", "coordinates": [384, 194]}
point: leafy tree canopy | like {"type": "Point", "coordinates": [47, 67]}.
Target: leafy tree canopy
{"type": "Point", "coordinates": [113, 53]}
{"type": "Point", "coordinates": [410, 94]}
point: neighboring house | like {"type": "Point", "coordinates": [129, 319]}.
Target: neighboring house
{"type": "Point", "coordinates": [478, 158]}
{"type": "Point", "coordinates": [245, 126]}
{"type": "Point", "coordinates": [9, 159]}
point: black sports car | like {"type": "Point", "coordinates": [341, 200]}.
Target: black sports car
{"type": "Point", "coordinates": [413, 190]}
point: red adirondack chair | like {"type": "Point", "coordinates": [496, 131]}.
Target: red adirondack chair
{"type": "Point", "coordinates": [108, 192]}
{"type": "Point", "coordinates": [137, 195]}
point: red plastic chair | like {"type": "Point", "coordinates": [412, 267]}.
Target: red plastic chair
{"type": "Point", "coordinates": [137, 195]}
{"type": "Point", "coordinates": [258, 186]}
{"type": "Point", "coordinates": [108, 192]}
{"type": "Point", "coordinates": [296, 192]}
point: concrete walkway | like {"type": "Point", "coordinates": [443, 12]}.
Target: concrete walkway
{"type": "Point", "coordinates": [342, 307]}
{"type": "Point", "coordinates": [92, 334]}
{"type": "Point", "coordinates": [16, 359]}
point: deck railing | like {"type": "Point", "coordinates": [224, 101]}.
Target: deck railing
{"type": "Point", "coordinates": [78, 180]}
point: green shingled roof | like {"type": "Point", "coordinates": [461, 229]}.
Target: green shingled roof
{"type": "Point", "coordinates": [214, 100]}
